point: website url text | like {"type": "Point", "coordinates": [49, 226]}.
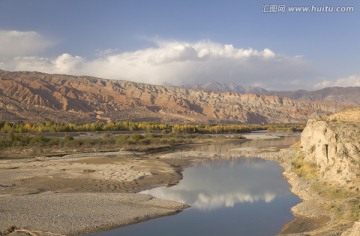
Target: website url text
{"type": "Point", "coordinates": [277, 8]}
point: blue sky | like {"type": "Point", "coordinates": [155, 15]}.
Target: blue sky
{"type": "Point", "coordinates": [177, 42]}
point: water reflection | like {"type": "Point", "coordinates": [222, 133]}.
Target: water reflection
{"type": "Point", "coordinates": [215, 184]}
{"type": "Point", "coordinates": [231, 146]}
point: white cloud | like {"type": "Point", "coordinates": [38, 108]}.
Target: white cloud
{"type": "Point", "coordinates": [351, 81]}
{"type": "Point", "coordinates": [19, 43]}
{"type": "Point", "coordinates": [167, 62]}
{"type": "Point", "coordinates": [63, 64]}
{"type": "Point", "coordinates": [206, 202]}
{"type": "Point", "coordinates": [67, 63]}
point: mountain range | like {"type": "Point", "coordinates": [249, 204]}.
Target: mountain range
{"type": "Point", "coordinates": [34, 96]}
{"type": "Point", "coordinates": [345, 95]}
{"type": "Point", "coordinates": [226, 87]}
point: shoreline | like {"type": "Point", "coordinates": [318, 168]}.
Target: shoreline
{"type": "Point", "coordinates": [318, 213]}
{"type": "Point", "coordinates": [115, 175]}
{"type": "Point", "coordinates": [172, 163]}
{"type": "Point", "coordinates": [72, 218]}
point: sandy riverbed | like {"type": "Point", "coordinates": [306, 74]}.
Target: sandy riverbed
{"type": "Point", "coordinates": [84, 193]}
{"type": "Point", "coordinates": [74, 213]}
{"type": "Point", "coordinates": [118, 173]}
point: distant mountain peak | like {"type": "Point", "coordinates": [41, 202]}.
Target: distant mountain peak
{"type": "Point", "coordinates": [226, 87]}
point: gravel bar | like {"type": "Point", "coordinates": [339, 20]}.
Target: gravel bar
{"type": "Point", "coordinates": [78, 213]}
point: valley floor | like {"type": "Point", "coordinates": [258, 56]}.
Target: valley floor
{"type": "Point", "coordinates": [82, 193]}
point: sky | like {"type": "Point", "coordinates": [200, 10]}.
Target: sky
{"type": "Point", "coordinates": [250, 42]}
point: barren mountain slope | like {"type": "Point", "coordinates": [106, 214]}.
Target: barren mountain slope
{"type": "Point", "coordinates": [38, 96]}
{"type": "Point", "coordinates": [346, 95]}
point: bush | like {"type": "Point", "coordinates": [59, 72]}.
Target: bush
{"type": "Point", "coordinates": [106, 135]}
{"type": "Point", "coordinates": [134, 138]}
{"type": "Point", "coordinates": [68, 137]}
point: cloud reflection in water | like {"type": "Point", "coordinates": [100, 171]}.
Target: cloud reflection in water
{"type": "Point", "coordinates": [216, 184]}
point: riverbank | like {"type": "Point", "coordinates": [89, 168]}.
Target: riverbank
{"type": "Point", "coordinates": [323, 170]}
{"type": "Point", "coordinates": [326, 209]}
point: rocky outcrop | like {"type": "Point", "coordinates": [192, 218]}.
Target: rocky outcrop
{"type": "Point", "coordinates": [334, 145]}
{"type": "Point", "coordinates": [326, 175]}
{"type": "Point", "coordinates": [38, 96]}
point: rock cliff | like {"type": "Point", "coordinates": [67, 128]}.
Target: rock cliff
{"type": "Point", "coordinates": [38, 96]}
{"type": "Point", "coordinates": [334, 145]}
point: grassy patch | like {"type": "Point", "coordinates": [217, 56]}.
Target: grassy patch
{"type": "Point", "coordinates": [355, 213]}
{"type": "Point", "coordinates": [50, 126]}
{"type": "Point", "coordinates": [303, 168]}
{"type": "Point", "coordinates": [39, 144]}
{"type": "Point", "coordinates": [345, 202]}
{"type": "Point", "coordinates": [297, 144]}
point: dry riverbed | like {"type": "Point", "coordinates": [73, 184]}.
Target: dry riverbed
{"type": "Point", "coordinates": [84, 193]}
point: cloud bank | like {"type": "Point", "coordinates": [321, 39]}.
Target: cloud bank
{"type": "Point", "coordinates": [200, 62]}
{"type": "Point", "coordinates": [18, 43]}
{"type": "Point", "coordinates": [167, 62]}
{"type": "Point", "coordinates": [351, 81]}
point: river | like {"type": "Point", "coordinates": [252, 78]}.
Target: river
{"type": "Point", "coordinates": [243, 196]}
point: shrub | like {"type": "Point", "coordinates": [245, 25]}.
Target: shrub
{"type": "Point", "coordinates": [68, 137]}
{"type": "Point", "coordinates": [134, 138]}
{"type": "Point", "coordinates": [106, 135]}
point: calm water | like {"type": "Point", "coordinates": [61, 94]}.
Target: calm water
{"type": "Point", "coordinates": [230, 146]}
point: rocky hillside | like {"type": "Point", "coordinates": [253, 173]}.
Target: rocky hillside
{"type": "Point", "coordinates": [227, 87]}
{"type": "Point", "coordinates": [334, 145]}
{"type": "Point", "coordinates": [345, 95]}
{"type": "Point", "coordinates": [349, 95]}
{"type": "Point", "coordinates": [37, 96]}
{"type": "Point", "coordinates": [350, 115]}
